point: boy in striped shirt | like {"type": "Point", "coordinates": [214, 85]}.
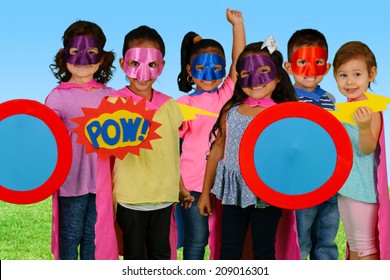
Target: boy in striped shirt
{"type": "Point", "coordinates": [307, 63]}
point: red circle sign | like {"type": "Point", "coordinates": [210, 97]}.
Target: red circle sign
{"type": "Point", "coordinates": [321, 120]}
{"type": "Point", "coordinates": [64, 150]}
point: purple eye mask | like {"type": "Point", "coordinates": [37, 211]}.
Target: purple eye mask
{"type": "Point", "coordinates": [83, 44]}
{"type": "Point", "coordinates": [144, 57]}
{"type": "Point", "coordinates": [252, 63]}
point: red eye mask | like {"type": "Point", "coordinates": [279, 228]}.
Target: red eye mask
{"type": "Point", "coordinates": [311, 55]}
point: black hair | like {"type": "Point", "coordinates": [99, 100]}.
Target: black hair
{"type": "Point", "coordinates": [191, 46]}
{"type": "Point", "coordinates": [141, 33]}
{"type": "Point", "coordinates": [284, 90]}
{"type": "Point", "coordinates": [306, 37]}
{"type": "Point", "coordinates": [78, 28]}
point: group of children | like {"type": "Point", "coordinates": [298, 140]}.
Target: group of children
{"type": "Point", "coordinates": [216, 206]}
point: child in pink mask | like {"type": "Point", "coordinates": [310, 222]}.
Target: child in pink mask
{"type": "Point", "coordinates": [82, 68]}
{"type": "Point", "coordinates": [146, 186]}
{"type": "Point", "coordinates": [202, 71]}
{"type": "Point", "coordinates": [307, 62]}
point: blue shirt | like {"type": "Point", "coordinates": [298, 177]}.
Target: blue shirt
{"type": "Point", "coordinates": [317, 97]}
{"type": "Point", "coordinates": [360, 184]}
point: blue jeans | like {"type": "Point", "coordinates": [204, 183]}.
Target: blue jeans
{"type": "Point", "coordinates": [195, 231]}
{"type": "Point", "coordinates": [77, 227]}
{"type": "Point", "coordinates": [317, 230]}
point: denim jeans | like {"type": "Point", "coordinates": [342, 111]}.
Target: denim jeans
{"type": "Point", "coordinates": [77, 227]}
{"type": "Point", "coordinates": [195, 231]}
{"type": "Point", "coordinates": [317, 230]}
{"type": "Point", "coordinates": [235, 223]}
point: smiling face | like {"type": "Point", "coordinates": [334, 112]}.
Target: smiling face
{"type": "Point", "coordinates": [83, 55]}
{"type": "Point", "coordinates": [142, 64]}
{"type": "Point", "coordinates": [353, 78]}
{"type": "Point", "coordinates": [258, 76]}
{"type": "Point", "coordinates": [262, 90]}
{"type": "Point", "coordinates": [82, 73]}
{"type": "Point", "coordinates": [83, 50]}
{"type": "Point", "coordinates": [308, 66]}
{"type": "Point", "coordinates": [207, 69]}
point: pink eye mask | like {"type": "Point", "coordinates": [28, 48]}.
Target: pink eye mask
{"type": "Point", "coordinates": [145, 57]}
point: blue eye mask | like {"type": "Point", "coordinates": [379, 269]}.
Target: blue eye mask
{"type": "Point", "coordinates": [208, 60]}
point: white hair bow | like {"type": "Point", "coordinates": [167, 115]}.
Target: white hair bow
{"type": "Point", "coordinates": [271, 44]}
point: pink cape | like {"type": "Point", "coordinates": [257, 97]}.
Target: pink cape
{"type": "Point", "coordinates": [105, 234]}
{"type": "Point", "coordinates": [383, 225]}
{"type": "Point", "coordinates": [384, 202]}
{"type": "Point", "coordinates": [55, 248]}
{"type": "Point", "coordinates": [287, 247]}
{"type": "Point", "coordinates": [105, 230]}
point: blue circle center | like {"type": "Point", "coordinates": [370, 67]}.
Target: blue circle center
{"type": "Point", "coordinates": [295, 156]}
{"type": "Point", "coordinates": [28, 152]}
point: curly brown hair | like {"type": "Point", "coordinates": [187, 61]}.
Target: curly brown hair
{"type": "Point", "coordinates": [82, 27]}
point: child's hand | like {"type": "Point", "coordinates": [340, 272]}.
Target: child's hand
{"type": "Point", "coordinates": [204, 205]}
{"type": "Point", "coordinates": [363, 117]}
{"type": "Point", "coordinates": [185, 198]}
{"type": "Point", "coordinates": [234, 17]}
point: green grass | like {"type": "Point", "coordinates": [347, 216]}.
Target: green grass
{"type": "Point", "coordinates": [25, 232]}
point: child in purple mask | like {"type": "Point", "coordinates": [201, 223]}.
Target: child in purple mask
{"type": "Point", "coordinates": [203, 70]}
{"type": "Point", "coordinates": [83, 68]}
{"type": "Point", "coordinates": [146, 186]}
{"type": "Point", "coordinates": [262, 82]}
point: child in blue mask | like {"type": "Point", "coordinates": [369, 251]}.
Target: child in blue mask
{"type": "Point", "coordinates": [202, 71]}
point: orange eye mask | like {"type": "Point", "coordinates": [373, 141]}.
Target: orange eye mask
{"type": "Point", "coordinates": [311, 55]}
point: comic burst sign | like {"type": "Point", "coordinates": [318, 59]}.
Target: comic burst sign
{"type": "Point", "coordinates": [116, 129]}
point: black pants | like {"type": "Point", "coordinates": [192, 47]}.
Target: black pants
{"type": "Point", "coordinates": [145, 232]}
{"type": "Point", "coordinates": [235, 222]}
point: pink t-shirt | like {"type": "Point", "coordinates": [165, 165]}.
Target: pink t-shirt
{"type": "Point", "coordinates": [195, 134]}
{"type": "Point", "coordinates": [67, 104]}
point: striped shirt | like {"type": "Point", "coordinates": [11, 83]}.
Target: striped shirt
{"type": "Point", "coordinates": [317, 97]}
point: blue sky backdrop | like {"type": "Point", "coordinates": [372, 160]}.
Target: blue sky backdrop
{"type": "Point", "coordinates": [31, 33]}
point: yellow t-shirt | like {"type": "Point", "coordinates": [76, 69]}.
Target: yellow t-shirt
{"type": "Point", "coordinates": [153, 175]}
